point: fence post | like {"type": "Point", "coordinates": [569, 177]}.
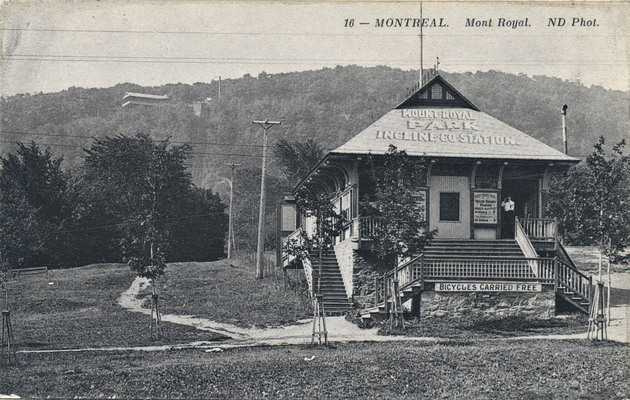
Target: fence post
{"type": "Point", "coordinates": [375, 291]}
{"type": "Point", "coordinates": [422, 269]}
{"type": "Point", "coordinates": [555, 274]}
{"type": "Point", "coordinates": [385, 291]}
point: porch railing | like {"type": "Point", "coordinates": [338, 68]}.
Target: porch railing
{"type": "Point", "coordinates": [485, 267]}
{"type": "Point", "coordinates": [369, 225]}
{"type": "Point", "coordinates": [424, 268]}
{"type": "Point", "coordinates": [540, 228]}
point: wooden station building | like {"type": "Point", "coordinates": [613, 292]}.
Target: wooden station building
{"type": "Point", "coordinates": [483, 260]}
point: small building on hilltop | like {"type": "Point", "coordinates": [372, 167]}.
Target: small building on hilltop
{"type": "Point", "coordinates": [486, 186]}
{"type": "Point", "coordinates": [131, 99]}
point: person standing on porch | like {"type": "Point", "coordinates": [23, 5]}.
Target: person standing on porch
{"type": "Point", "coordinates": [508, 213]}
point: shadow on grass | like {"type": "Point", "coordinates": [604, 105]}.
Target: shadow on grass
{"type": "Point", "coordinates": [477, 328]}
{"type": "Point", "coordinates": [619, 296]}
{"type": "Point", "coordinates": [519, 326]}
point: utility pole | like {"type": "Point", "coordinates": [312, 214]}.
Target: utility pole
{"type": "Point", "coordinates": [265, 125]}
{"type": "Point", "coordinates": [219, 88]}
{"type": "Point", "coordinates": [564, 128]}
{"type": "Point", "coordinates": [230, 226]}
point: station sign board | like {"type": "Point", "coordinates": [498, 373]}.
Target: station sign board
{"type": "Point", "coordinates": [488, 287]}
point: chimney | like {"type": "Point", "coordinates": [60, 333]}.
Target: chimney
{"type": "Point", "coordinates": [564, 128]}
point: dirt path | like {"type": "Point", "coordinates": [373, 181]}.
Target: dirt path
{"type": "Point", "coordinates": [341, 330]}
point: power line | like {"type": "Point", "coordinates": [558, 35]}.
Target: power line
{"type": "Point", "coordinates": [287, 61]}
{"type": "Point", "coordinates": [197, 153]}
{"type": "Point", "coordinates": [158, 140]}
{"type": "Point", "coordinates": [363, 151]}
{"type": "Point", "coordinates": [134, 222]}
{"type": "Point", "coordinates": [91, 228]}
{"type": "Point", "coordinates": [101, 57]}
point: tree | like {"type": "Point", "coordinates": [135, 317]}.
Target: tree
{"type": "Point", "coordinates": [33, 207]}
{"type": "Point", "coordinates": [593, 201]}
{"type": "Point", "coordinates": [402, 232]}
{"type": "Point", "coordinates": [199, 234]}
{"type": "Point", "coordinates": [396, 177]}
{"type": "Point", "coordinates": [144, 185]}
{"type": "Point", "coordinates": [245, 212]}
{"type": "Point", "coordinates": [328, 224]}
{"type": "Point", "coordinates": [295, 159]}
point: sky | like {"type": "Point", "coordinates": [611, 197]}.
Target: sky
{"type": "Point", "coordinates": [51, 46]}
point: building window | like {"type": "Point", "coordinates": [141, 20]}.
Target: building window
{"type": "Point", "coordinates": [436, 92]}
{"type": "Point", "coordinates": [449, 206]}
{"type": "Point", "coordinates": [346, 205]}
{"type": "Point", "coordinates": [449, 96]}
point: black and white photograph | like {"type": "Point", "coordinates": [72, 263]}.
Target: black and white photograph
{"type": "Point", "coordinates": [314, 199]}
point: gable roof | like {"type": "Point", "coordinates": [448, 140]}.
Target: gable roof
{"type": "Point", "coordinates": [437, 93]}
{"type": "Point", "coordinates": [437, 121]}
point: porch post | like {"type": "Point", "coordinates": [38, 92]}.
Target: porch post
{"type": "Point", "coordinates": [555, 274]}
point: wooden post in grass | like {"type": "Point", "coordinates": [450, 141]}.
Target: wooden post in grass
{"type": "Point", "coordinates": [155, 310]}
{"type": "Point", "coordinates": [395, 312]}
{"type": "Point", "coordinates": [319, 314]}
{"type": "Point", "coordinates": [597, 315]}
{"type": "Point", "coordinates": [319, 321]}
{"type": "Point", "coordinates": [7, 349]}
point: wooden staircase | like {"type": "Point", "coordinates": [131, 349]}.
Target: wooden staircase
{"type": "Point", "coordinates": [451, 250]}
{"type": "Point", "coordinates": [466, 248]}
{"type": "Point", "coordinates": [498, 260]}
{"type": "Point", "coordinates": [573, 286]}
{"type": "Point", "coordinates": [335, 299]}
{"type": "Point", "coordinates": [577, 300]}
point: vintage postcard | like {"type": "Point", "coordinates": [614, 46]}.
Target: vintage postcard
{"type": "Point", "coordinates": [312, 199]}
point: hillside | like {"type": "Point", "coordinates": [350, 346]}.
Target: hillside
{"type": "Point", "coordinates": [329, 106]}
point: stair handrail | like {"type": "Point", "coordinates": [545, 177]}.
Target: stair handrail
{"type": "Point", "coordinates": [573, 279]}
{"type": "Point", "coordinates": [305, 258]}
{"type": "Point", "coordinates": [295, 235]}
{"type": "Point", "coordinates": [404, 274]}
{"type": "Point", "coordinates": [308, 272]}
{"type": "Point", "coordinates": [522, 238]}
{"type": "Point", "coordinates": [561, 249]}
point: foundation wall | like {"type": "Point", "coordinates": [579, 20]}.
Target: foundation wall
{"type": "Point", "coordinates": [540, 305]}
{"type": "Point", "coordinates": [344, 252]}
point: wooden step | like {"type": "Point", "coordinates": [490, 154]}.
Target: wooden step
{"type": "Point", "coordinates": [332, 288]}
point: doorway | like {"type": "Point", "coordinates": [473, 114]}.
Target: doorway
{"type": "Point", "coordinates": [524, 194]}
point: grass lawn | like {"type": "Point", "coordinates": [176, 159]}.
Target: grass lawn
{"type": "Point", "coordinates": [496, 369]}
{"type": "Point", "coordinates": [77, 308]}
{"type": "Point", "coordinates": [229, 292]}
{"type": "Point", "coordinates": [587, 260]}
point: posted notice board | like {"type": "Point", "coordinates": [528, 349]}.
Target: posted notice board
{"type": "Point", "coordinates": [485, 208]}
